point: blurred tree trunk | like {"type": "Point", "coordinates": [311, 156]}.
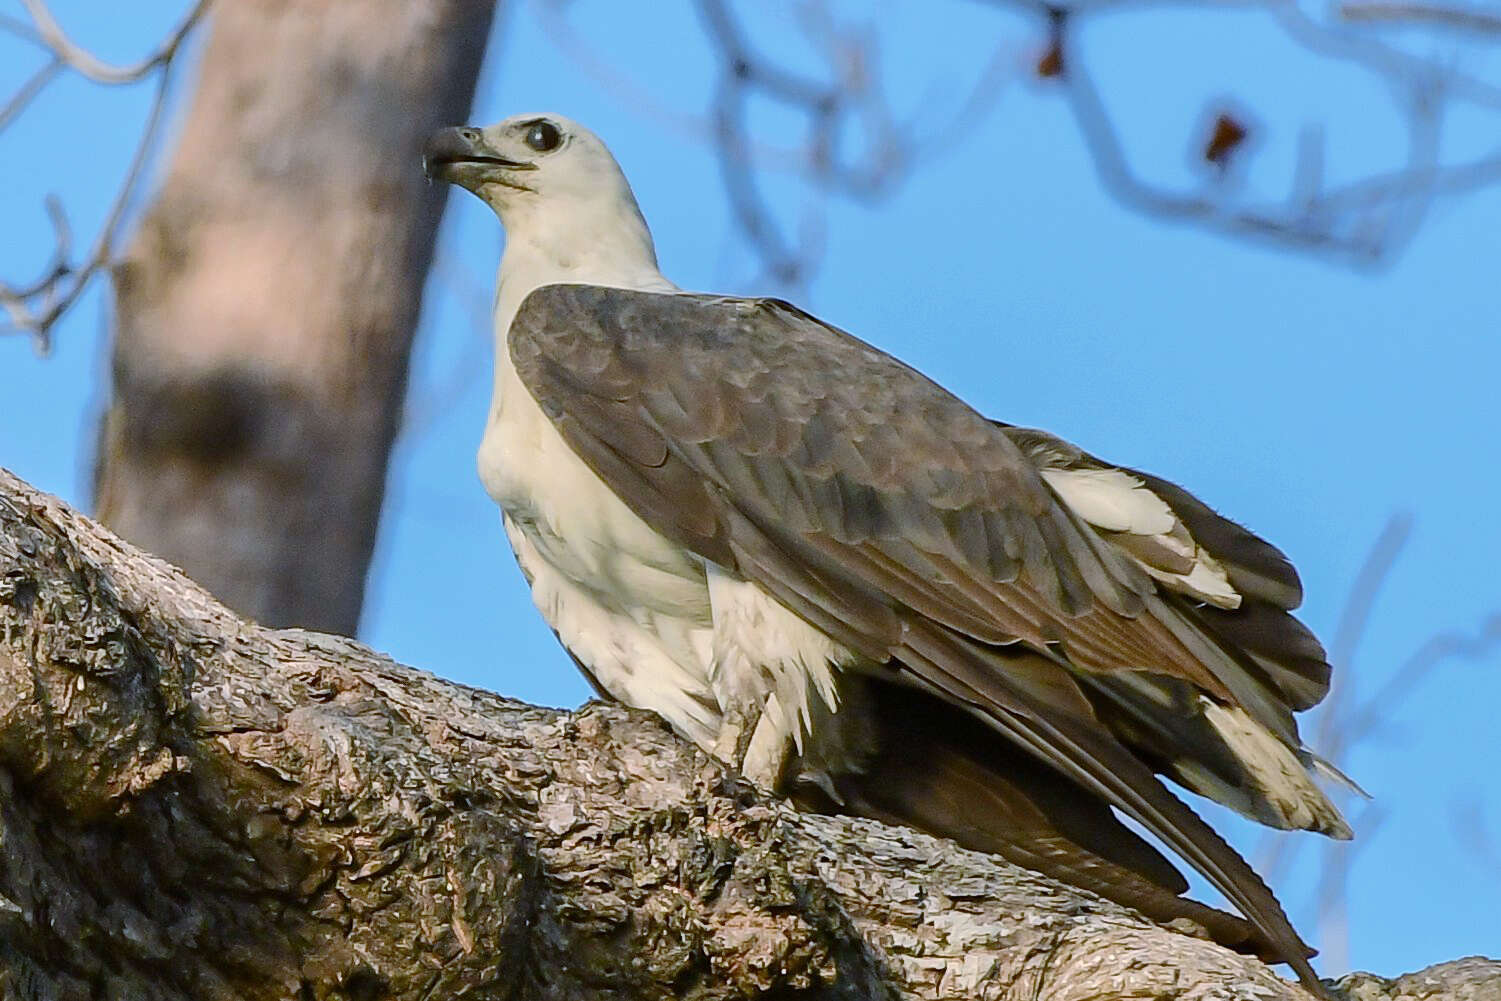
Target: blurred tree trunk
{"type": "Point", "coordinates": [265, 312]}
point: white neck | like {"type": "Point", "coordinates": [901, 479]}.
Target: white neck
{"type": "Point", "coordinates": [617, 253]}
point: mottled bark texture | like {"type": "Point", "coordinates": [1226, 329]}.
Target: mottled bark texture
{"type": "Point", "coordinates": [265, 310]}
{"type": "Point", "coordinates": [193, 806]}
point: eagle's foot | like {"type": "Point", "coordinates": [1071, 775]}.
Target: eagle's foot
{"type": "Point", "coordinates": [750, 741]}
{"type": "Point", "coordinates": [735, 729]}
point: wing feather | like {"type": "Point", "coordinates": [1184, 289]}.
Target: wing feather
{"type": "Point", "coordinates": [1248, 586]}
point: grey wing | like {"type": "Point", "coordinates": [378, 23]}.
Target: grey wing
{"type": "Point", "coordinates": [1244, 585]}
{"type": "Point", "coordinates": [891, 516]}
{"type": "Point", "coordinates": [1235, 587]}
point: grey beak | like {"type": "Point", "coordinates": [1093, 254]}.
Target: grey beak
{"type": "Point", "coordinates": [450, 148]}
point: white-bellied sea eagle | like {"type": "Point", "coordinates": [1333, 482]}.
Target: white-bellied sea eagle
{"type": "Point", "coordinates": [836, 576]}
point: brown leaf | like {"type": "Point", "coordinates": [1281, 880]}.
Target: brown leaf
{"type": "Point", "coordinates": [1050, 63]}
{"type": "Point", "coordinates": [1227, 137]}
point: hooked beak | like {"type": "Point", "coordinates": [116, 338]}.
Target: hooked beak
{"type": "Point", "coordinates": [461, 156]}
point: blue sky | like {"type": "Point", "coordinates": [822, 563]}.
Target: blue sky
{"type": "Point", "coordinates": [1308, 400]}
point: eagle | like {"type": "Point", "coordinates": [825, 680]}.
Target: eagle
{"type": "Point", "coordinates": [834, 575]}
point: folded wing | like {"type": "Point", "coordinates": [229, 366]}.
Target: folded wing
{"type": "Point", "coordinates": [936, 545]}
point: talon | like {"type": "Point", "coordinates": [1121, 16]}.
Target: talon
{"type": "Point", "coordinates": [765, 755]}
{"type": "Point", "coordinates": [735, 733]}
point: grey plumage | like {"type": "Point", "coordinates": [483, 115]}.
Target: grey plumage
{"type": "Point", "coordinates": [917, 533]}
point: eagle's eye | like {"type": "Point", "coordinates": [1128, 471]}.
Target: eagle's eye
{"type": "Point", "coordinates": [543, 137]}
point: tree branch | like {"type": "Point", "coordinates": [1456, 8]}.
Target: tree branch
{"type": "Point", "coordinates": [1351, 717]}
{"type": "Point", "coordinates": [193, 806]}
{"type": "Point", "coordinates": [1457, 18]}
{"type": "Point", "coordinates": [36, 307]}
{"type": "Point", "coordinates": [1367, 220]}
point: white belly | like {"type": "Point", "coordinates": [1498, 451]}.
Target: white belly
{"type": "Point", "coordinates": [630, 605]}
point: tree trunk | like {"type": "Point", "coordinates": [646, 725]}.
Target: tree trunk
{"type": "Point", "coordinates": [193, 806]}
{"type": "Point", "coordinates": [265, 311]}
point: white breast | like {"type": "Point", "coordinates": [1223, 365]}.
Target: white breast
{"type": "Point", "coordinates": [577, 523]}
{"type": "Point", "coordinates": [630, 605]}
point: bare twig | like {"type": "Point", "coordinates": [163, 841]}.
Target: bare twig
{"type": "Point", "coordinates": [426, 404]}
{"type": "Point", "coordinates": [1333, 891]}
{"type": "Point", "coordinates": [1303, 227]}
{"type": "Point", "coordinates": [1474, 834]}
{"type": "Point", "coordinates": [1465, 19]}
{"type": "Point", "coordinates": [1349, 719]}
{"type": "Point", "coordinates": [34, 308]}
{"type": "Point", "coordinates": [743, 74]}
{"type": "Point", "coordinates": [27, 92]}
{"type": "Point", "coordinates": [1369, 219]}
{"type": "Point", "coordinates": [1365, 220]}
{"type": "Point", "coordinates": [1354, 620]}
{"type": "Point", "coordinates": [1389, 63]}
{"type": "Point", "coordinates": [51, 35]}
{"type": "Point", "coordinates": [1365, 720]}
{"type": "Point", "coordinates": [851, 101]}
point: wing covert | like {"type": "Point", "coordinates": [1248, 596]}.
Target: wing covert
{"type": "Point", "coordinates": [880, 465]}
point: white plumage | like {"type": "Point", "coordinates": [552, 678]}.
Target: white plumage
{"type": "Point", "coordinates": [1115, 501]}
{"type": "Point", "coordinates": [1112, 499]}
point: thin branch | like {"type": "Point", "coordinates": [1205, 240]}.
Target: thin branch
{"type": "Point", "coordinates": [1385, 62]}
{"type": "Point", "coordinates": [1365, 721]}
{"type": "Point", "coordinates": [50, 34]}
{"type": "Point", "coordinates": [1354, 621]}
{"type": "Point", "coordinates": [1472, 175]}
{"type": "Point", "coordinates": [426, 404]}
{"type": "Point", "coordinates": [1347, 721]}
{"type": "Point", "coordinates": [1303, 228]}
{"type": "Point", "coordinates": [1474, 834]}
{"type": "Point", "coordinates": [36, 307]}
{"type": "Point", "coordinates": [741, 74]}
{"type": "Point", "coordinates": [28, 91]}
{"type": "Point", "coordinates": [1466, 19]}
{"type": "Point", "coordinates": [850, 101]}
{"type": "Point", "coordinates": [1363, 221]}
{"type": "Point", "coordinates": [1333, 892]}
{"type": "Point", "coordinates": [1276, 854]}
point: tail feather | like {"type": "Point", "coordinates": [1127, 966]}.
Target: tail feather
{"type": "Point", "coordinates": [926, 766]}
{"type": "Point", "coordinates": [1290, 656]}
{"type": "Point", "coordinates": [1217, 751]}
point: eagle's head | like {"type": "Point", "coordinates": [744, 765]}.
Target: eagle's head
{"type": "Point", "coordinates": [542, 169]}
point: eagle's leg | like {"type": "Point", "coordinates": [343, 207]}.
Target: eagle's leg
{"type": "Point", "coordinates": [734, 736]}
{"type": "Point", "coordinates": [750, 740]}
{"type": "Point", "coordinates": [767, 751]}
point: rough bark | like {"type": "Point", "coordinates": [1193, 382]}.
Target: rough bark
{"type": "Point", "coordinates": [193, 806]}
{"type": "Point", "coordinates": [265, 311]}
